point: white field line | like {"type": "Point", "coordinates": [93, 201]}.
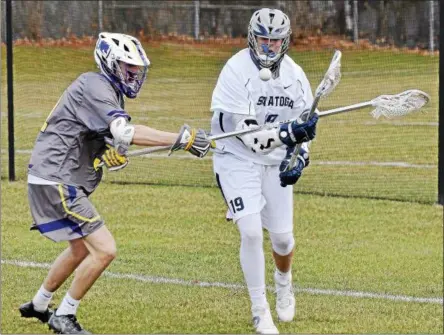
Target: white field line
{"type": "Point", "coordinates": [182, 282]}
{"type": "Point", "coordinates": [342, 163]}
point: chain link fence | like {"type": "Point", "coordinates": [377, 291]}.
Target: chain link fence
{"type": "Point", "coordinates": [408, 23]}
{"type": "Point", "coordinates": [383, 159]}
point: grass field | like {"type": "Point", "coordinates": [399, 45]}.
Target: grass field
{"type": "Point", "coordinates": [353, 155]}
{"type": "Point", "coordinates": [369, 254]}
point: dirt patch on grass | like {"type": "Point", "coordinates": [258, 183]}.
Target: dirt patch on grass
{"type": "Point", "coordinates": [310, 43]}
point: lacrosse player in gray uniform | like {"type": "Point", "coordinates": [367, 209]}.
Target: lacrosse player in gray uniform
{"type": "Point", "coordinates": [65, 169]}
{"type": "Point", "coordinates": [247, 168]}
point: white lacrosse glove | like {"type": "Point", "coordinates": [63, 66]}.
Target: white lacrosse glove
{"type": "Point", "coordinates": [195, 141]}
{"type": "Point", "coordinates": [262, 141]}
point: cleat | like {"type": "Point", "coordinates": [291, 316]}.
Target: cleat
{"type": "Point", "coordinates": [285, 302]}
{"type": "Point", "coordinates": [66, 324]}
{"type": "Point", "coordinates": [27, 311]}
{"type": "Point", "coordinates": [262, 320]}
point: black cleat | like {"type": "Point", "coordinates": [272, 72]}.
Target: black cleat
{"type": "Point", "coordinates": [27, 311]}
{"type": "Point", "coordinates": [66, 324]}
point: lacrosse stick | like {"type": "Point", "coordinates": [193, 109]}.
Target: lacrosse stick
{"type": "Point", "coordinates": [139, 152]}
{"type": "Point", "coordinates": [406, 102]}
{"type": "Point", "coordinates": [148, 150]}
{"type": "Point", "coordinates": [386, 105]}
{"type": "Point", "coordinates": [328, 84]}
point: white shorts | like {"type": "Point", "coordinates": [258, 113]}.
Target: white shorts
{"type": "Point", "coordinates": [250, 188]}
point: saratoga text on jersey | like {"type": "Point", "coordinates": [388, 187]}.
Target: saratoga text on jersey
{"type": "Point", "coordinates": [275, 101]}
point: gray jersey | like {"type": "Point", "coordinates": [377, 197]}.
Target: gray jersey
{"type": "Point", "coordinates": [73, 135]}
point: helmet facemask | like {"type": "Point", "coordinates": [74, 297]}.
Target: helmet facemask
{"type": "Point", "coordinates": [270, 24]}
{"type": "Point", "coordinates": [123, 61]}
{"type": "Point", "coordinates": [265, 56]}
{"type": "Point", "coordinates": [131, 77]}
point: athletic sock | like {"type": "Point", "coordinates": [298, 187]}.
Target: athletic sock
{"type": "Point", "coordinates": [41, 299]}
{"type": "Point", "coordinates": [68, 306]}
{"type": "Point", "coordinates": [257, 296]}
{"type": "Point", "coordinates": [282, 278]}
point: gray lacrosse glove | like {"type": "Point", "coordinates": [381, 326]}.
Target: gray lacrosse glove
{"type": "Point", "coordinates": [195, 141]}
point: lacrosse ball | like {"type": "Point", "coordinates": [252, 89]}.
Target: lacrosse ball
{"type": "Point", "coordinates": [265, 74]}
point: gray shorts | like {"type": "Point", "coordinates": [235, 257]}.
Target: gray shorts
{"type": "Point", "coordinates": [62, 212]}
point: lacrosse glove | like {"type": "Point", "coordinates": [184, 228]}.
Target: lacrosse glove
{"type": "Point", "coordinates": [291, 176]}
{"type": "Point", "coordinates": [195, 141]}
{"type": "Point", "coordinates": [113, 160]}
{"type": "Point", "coordinates": [295, 133]}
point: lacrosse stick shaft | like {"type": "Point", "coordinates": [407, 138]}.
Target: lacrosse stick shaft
{"type": "Point", "coordinates": [334, 111]}
{"type": "Point", "coordinates": [417, 98]}
{"type": "Point", "coordinates": [298, 146]}
{"type": "Point", "coordinates": [144, 151]}
{"type": "Point", "coordinates": [326, 86]}
{"type": "Point", "coordinates": [346, 108]}
{"type": "Point", "coordinates": [148, 150]}
{"type": "Point", "coordinates": [247, 131]}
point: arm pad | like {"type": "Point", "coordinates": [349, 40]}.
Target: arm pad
{"type": "Point", "coordinates": [123, 134]}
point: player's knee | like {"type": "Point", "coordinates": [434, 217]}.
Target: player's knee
{"type": "Point", "coordinates": [250, 228]}
{"type": "Point", "coordinates": [282, 243]}
{"type": "Point", "coordinates": [106, 255]}
{"type": "Point", "coordinates": [110, 254]}
{"type": "Point", "coordinates": [80, 253]}
{"type": "Point", "coordinates": [78, 249]}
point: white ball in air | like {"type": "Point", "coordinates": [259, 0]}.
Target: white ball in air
{"type": "Point", "coordinates": [265, 74]}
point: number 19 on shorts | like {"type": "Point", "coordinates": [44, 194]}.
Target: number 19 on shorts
{"type": "Point", "coordinates": [237, 204]}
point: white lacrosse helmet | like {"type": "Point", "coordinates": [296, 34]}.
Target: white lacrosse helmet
{"type": "Point", "coordinates": [271, 24]}
{"type": "Point", "coordinates": [116, 55]}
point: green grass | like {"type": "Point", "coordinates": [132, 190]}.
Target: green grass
{"type": "Point", "coordinates": [343, 244]}
{"type": "Point", "coordinates": [359, 226]}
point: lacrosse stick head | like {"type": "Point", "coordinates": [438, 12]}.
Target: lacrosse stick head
{"type": "Point", "coordinates": [332, 76]}
{"type": "Point", "coordinates": [401, 104]}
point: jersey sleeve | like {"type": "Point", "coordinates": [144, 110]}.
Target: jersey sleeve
{"type": "Point", "coordinates": [231, 94]}
{"type": "Point", "coordinates": [100, 105]}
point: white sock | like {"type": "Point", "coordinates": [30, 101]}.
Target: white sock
{"type": "Point", "coordinates": [257, 296]}
{"type": "Point", "coordinates": [282, 278]}
{"type": "Point", "coordinates": [252, 258]}
{"type": "Point", "coordinates": [41, 299]}
{"type": "Point", "coordinates": [68, 306]}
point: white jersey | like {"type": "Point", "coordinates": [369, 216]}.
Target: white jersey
{"type": "Point", "coordinates": [240, 91]}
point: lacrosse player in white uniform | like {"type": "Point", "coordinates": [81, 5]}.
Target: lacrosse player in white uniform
{"type": "Point", "coordinates": [247, 168]}
{"type": "Point", "coordinates": [65, 170]}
